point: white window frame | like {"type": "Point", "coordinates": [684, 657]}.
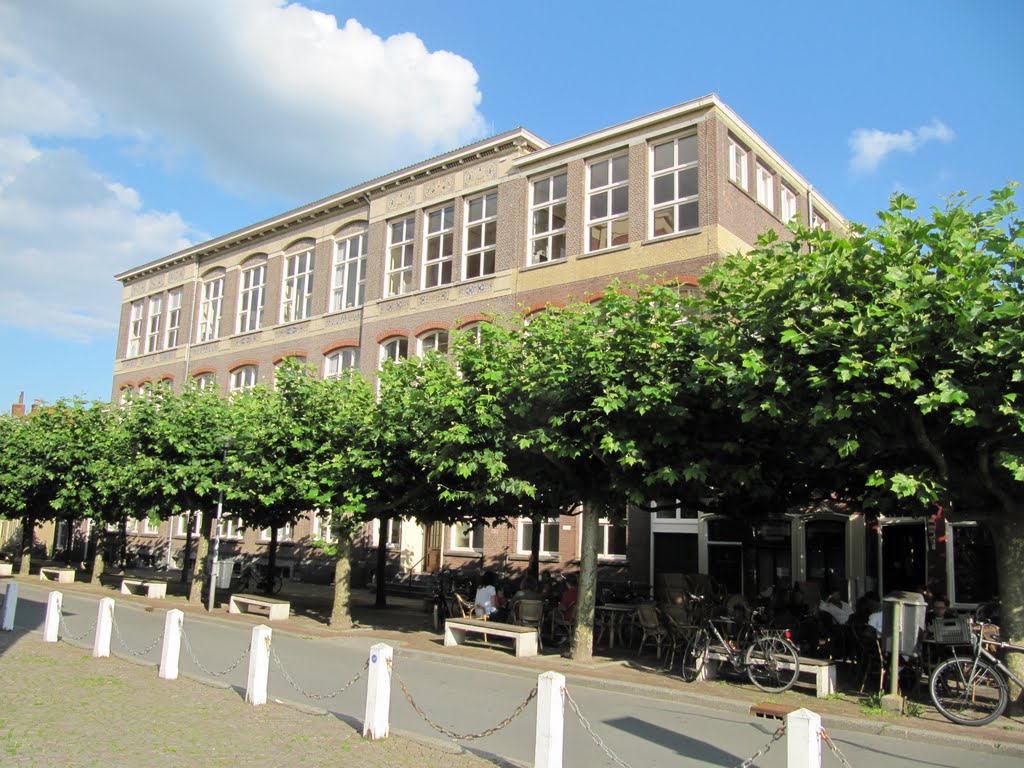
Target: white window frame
{"type": "Point", "coordinates": [607, 194]}
{"type": "Point", "coordinates": [210, 308]}
{"type": "Point", "coordinates": [394, 533]}
{"type": "Point", "coordinates": [678, 172]}
{"type": "Point", "coordinates": [818, 220]}
{"type": "Point", "coordinates": [548, 525]}
{"type": "Point", "coordinates": [738, 163]}
{"type": "Point", "coordinates": [765, 187]}
{"type": "Point", "coordinates": [183, 521]}
{"type": "Point", "coordinates": [398, 268]}
{"type": "Point", "coordinates": [153, 320]}
{"type": "Point", "coordinates": [392, 349]}
{"type": "Point", "coordinates": [606, 525]}
{"type": "Point", "coordinates": [252, 284]}
{"type": "Point", "coordinates": [148, 529]}
{"type": "Point", "coordinates": [244, 377]}
{"type": "Point", "coordinates": [481, 236]}
{"type": "Point", "coordinates": [548, 198]}
{"type": "Point", "coordinates": [348, 281]}
{"type": "Point", "coordinates": [439, 247]}
{"type": "Point", "coordinates": [284, 533]}
{"type": "Point", "coordinates": [433, 341]}
{"type": "Point", "coordinates": [136, 323]}
{"type": "Point", "coordinates": [475, 529]}
{"type": "Point", "coordinates": [322, 528]}
{"type": "Point", "coordinates": [206, 381]}
{"type": "Point", "coordinates": [339, 361]}
{"type": "Point", "coordinates": [789, 209]}
{"type": "Point", "coordinates": [231, 528]}
{"type": "Point", "coordinates": [297, 286]}
{"type": "Point", "coordinates": [173, 323]}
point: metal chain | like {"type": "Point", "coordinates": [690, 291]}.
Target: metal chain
{"type": "Point", "coordinates": [67, 634]}
{"type": "Point", "coordinates": [834, 748]}
{"type": "Point", "coordinates": [199, 664]}
{"type": "Point", "coordinates": [308, 694]}
{"type": "Point", "coordinates": [451, 734]}
{"type": "Point", "coordinates": [120, 639]}
{"type": "Point", "coordinates": [764, 750]}
{"type": "Point", "coordinates": [597, 739]}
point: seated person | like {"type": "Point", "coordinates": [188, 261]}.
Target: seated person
{"type": "Point", "coordinates": [569, 597]}
{"type": "Point", "coordinates": [836, 607]}
{"type": "Point", "coordinates": [486, 601]}
{"type": "Point", "coordinates": [528, 590]}
{"type": "Point", "coordinates": [939, 610]}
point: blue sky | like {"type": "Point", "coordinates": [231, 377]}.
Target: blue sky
{"type": "Point", "coordinates": [129, 129]}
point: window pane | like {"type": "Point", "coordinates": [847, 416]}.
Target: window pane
{"type": "Point", "coordinates": [688, 216]}
{"type": "Point", "coordinates": [490, 233]}
{"type": "Point", "coordinates": [664, 221]}
{"type": "Point", "coordinates": [599, 206]}
{"type": "Point", "coordinates": [664, 189]}
{"type": "Point", "coordinates": [559, 183]}
{"type": "Point", "coordinates": [540, 191]}
{"type": "Point", "coordinates": [473, 239]}
{"type": "Point", "coordinates": [617, 540]}
{"type": "Point", "coordinates": [620, 168]}
{"type": "Point", "coordinates": [620, 232]}
{"type": "Point", "coordinates": [549, 537]}
{"type": "Point", "coordinates": [558, 216]}
{"type": "Point", "coordinates": [664, 156]}
{"type": "Point", "coordinates": [598, 237]}
{"type": "Point", "coordinates": [688, 182]}
{"type": "Point", "coordinates": [620, 200]}
{"type": "Point", "coordinates": [476, 209]}
{"type": "Point", "coordinates": [540, 221]}
{"type": "Point", "coordinates": [599, 174]}
{"type": "Point", "coordinates": [688, 150]}
{"type": "Point", "coordinates": [558, 247]}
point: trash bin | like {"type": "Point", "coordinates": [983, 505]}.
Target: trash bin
{"type": "Point", "coordinates": [224, 570]}
{"type": "Point", "coordinates": [912, 609]}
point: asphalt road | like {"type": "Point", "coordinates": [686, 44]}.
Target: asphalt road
{"type": "Point", "coordinates": [640, 730]}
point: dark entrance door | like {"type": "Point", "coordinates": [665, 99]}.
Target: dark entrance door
{"type": "Point", "coordinates": [903, 556]}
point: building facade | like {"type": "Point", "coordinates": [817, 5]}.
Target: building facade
{"type": "Point", "coordinates": [390, 267]}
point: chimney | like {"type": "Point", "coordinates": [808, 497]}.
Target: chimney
{"type": "Point", "coordinates": [18, 409]}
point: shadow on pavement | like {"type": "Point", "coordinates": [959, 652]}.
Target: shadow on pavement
{"type": "Point", "coordinates": [684, 745]}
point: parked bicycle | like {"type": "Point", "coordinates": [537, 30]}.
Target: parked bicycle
{"type": "Point", "coordinates": [769, 659]}
{"type": "Point", "coordinates": [974, 690]}
{"type": "Point", "coordinates": [254, 577]}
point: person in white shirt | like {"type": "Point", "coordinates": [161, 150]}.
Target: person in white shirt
{"type": "Point", "coordinates": [836, 607]}
{"type": "Point", "coordinates": [486, 601]}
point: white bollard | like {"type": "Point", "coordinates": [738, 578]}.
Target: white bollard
{"type": "Point", "coordinates": [259, 666]}
{"type": "Point", "coordinates": [803, 739]}
{"type": "Point", "coordinates": [10, 606]}
{"type": "Point", "coordinates": [547, 751]}
{"type": "Point", "coordinates": [171, 649]}
{"type": "Point", "coordinates": [52, 624]}
{"type": "Point", "coordinates": [104, 623]}
{"type": "Point", "coordinates": [378, 692]}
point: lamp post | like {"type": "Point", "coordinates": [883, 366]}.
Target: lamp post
{"type": "Point", "coordinates": [224, 441]}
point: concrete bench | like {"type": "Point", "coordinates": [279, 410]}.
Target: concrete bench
{"type": "Point", "coordinates": [155, 590]}
{"type": "Point", "coordinates": [6, 569]}
{"type": "Point", "coordinates": [60, 575]}
{"type": "Point", "coordinates": [455, 631]}
{"type": "Point", "coordinates": [276, 609]}
{"type": "Point", "coordinates": [824, 671]}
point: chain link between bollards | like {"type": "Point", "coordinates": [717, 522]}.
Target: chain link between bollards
{"type": "Point", "coordinates": [764, 750]}
{"type": "Point", "coordinates": [835, 750]}
{"type": "Point", "coordinates": [451, 734]}
{"type": "Point", "coordinates": [131, 651]}
{"type": "Point", "coordinates": [67, 634]}
{"type": "Point", "coordinates": [586, 726]}
{"type": "Point", "coordinates": [188, 648]}
{"type": "Point", "coordinates": [308, 694]}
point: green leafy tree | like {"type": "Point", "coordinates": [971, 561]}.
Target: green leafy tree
{"type": "Point", "coordinates": [890, 361]}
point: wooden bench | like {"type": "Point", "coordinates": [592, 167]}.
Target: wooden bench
{"type": "Point", "coordinates": [455, 631]}
{"type": "Point", "coordinates": [824, 671]}
{"type": "Point", "coordinates": [60, 575]}
{"type": "Point", "coordinates": [276, 609]}
{"type": "Point", "coordinates": [6, 569]}
{"type": "Point", "coordinates": [155, 590]}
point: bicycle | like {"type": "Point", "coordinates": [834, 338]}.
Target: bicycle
{"type": "Point", "coordinates": [255, 577]}
{"type": "Point", "coordinates": [770, 660]}
{"type": "Point", "coordinates": [974, 690]}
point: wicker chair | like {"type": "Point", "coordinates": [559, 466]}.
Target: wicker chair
{"type": "Point", "coordinates": [651, 627]}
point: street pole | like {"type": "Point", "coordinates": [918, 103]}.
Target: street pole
{"type": "Point", "coordinates": [215, 551]}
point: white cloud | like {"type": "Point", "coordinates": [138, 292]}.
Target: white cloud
{"type": "Point", "coordinates": [273, 98]}
{"type": "Point", "coordinates": [64, 231]}
{"type": "Point", "coordinates": [871, 146]}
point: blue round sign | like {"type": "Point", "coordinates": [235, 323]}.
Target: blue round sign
{"type": "Point", "coordinates": [373, 659]}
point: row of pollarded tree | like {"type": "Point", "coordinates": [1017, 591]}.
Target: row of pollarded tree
{"type": "Point", "coordinates": [886, 366]}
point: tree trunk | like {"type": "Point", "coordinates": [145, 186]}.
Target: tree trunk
{"type": "Point", "coordinates": [195, 592]}
{"type": "Point", "coordinates": [341, 617]}
{"type": "Point", "coordinates": [186, 560]}
{"type": "Point", "coordinates": [583, 632]}
{"type": "Point", "coordinates": [382, 563]}
{"type": "Point", "coordinates": [1009, 540]}
{"type": "Point", "coordinates": [28, 543]}
{"type": "Point", "coordinates": [123, 555]}
{"type": "Point", "coordinates": [533, 568]}
{"type": "Point", "coordinates": [97, 561]}
{"type": "Point", "coordinates": [268, 578]}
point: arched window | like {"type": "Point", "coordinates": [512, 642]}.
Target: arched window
{"type": "Point", "coordinates": [297, 293]}
{"type": "Point", "coordinates": [251, 293]}
{"type": "Point", "coordinates": [211, 305]}
{"type": "Point", "coordinates": [348, 286]}
{"type": "Point", "coordinates": [244, 378]}
{"type": "Point", "coordinates": [339, 361]}
{"type": "Point", "coordinates": [206, 381]}
{"type": "Point", "coordinates": [435, 341]}
{"type": "Point", "coordinates": [394, 350]}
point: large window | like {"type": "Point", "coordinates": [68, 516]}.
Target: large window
{"type": "Point", "coordinates": [548, 537]}
{"type": "Point", "coordinates": [156, 315]}
{"type": "Point", "coordinates": [608, 203]}
{"type": "Point", "coordinates": [738, 163]}
{"type": "Point", "coordinates": [394, 533]}
{"type": "Point", "coordinates": [481, 235]}
{"type": "Point", "coordinates": [547, 219]}
{"type": "Point", "coordinates": [323, 529]}
{"type": "Point", "coordinates": [398, 270]}
{"type": "Point", "coordinates": [244, 378]}
{"type": "Point", "coordinates": [435, 341]}
{"type": "Point", "coordinates": [788, 204]}
{"type": "Point", "coordinates": [210, 309]}
{"type": "Point", "coordinates": [206, 381]}
{"type": "Point", "coordinates": [765, 187]}
{"type": "Point", "coordinates": [284, 533]}
{"type": "Point", "coordinates": [468, 536]}
{"type": "Point", "coordinates": [440, 247]}
{"type": "Point", "coordinates": [349, 281]}
{"type": "Point", "coordinates": [173, 318]}
{"type": "Point", "coordinates": [135, 326]}
{"type": "Point", "coordinates": [297, 298]}
{"type": "Point", "coordinates": [339, 361]}
{"type": "Point", "coordinates": [612, 540]}
{"type": "Point", "coordinates": [394, 350]}
{"type": "Point", "coordinates": [674, 186]}
{"type": "Point", "coordinates": [250, 298]}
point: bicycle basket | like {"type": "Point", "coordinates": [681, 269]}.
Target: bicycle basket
{"type": "Point", "coordinates": [952, 632]}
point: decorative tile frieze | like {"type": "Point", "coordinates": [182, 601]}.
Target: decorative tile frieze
{"type": "Point", "coordinates": [290, 330]}
{"type": "Point", "coordinates": [337, 321]}
{"type": "Point", "coordinates": [480, 174]}
{"type": "Point", "coordinates": [438, 187]}
{"type": "Point", "coordinates": [401, 199]}
{"type": "Point", "coordinates": [244, 341]}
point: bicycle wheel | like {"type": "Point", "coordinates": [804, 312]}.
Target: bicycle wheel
{"type": "Point", "coordinates": [772, 664]}
{"type": "Point", "coordinates": [694, 654]}
{"type": "Point", "coordinates": [278, 584]}
{"type": "Point", "coordinates": [968, 692]}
